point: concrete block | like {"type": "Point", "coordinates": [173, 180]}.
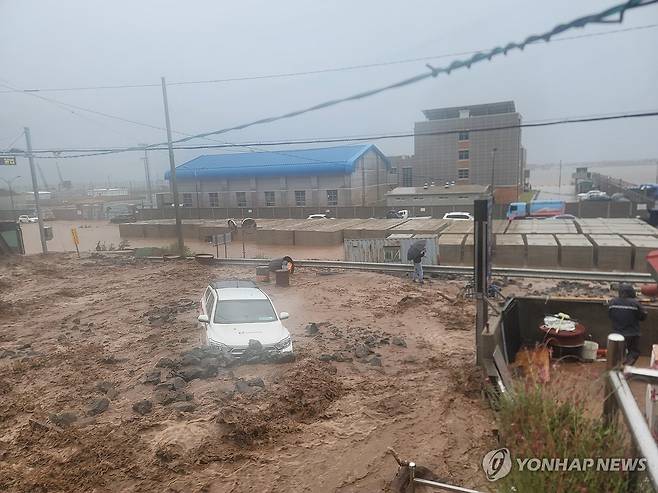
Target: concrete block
{"type": "Point", "coordinates": [451, 248]}
{"type": "Point", "coordinates": [642, 245]}
{"type": "Point", "coordinates": [275, 237]}
{"type": "Point", "coordinates": [542, 251]}
{"type": "Point", "coordinates": [576, 252]}
{"type": "Point", "coordinates": [509, 250]}
{"type": "Point", "coordinates": [131, 230]}
{"type": "Point", "coordinates": [612, 252]}
{"type": "Point", "coordinates": [318, 238]}
{"type": "Point", "coordinates": [152, 230]}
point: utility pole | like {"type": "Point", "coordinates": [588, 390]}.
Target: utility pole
{"type": "Point", "coordinates": [172, 169]}
{"type": "Point", "coordinates": [493, 169]}
{"type": "Point", "coordinates": [559, 183]}
{"type": "Point", "coordinates": [11, 192]}
{"type": "Point", "coordinates": [35, 188]}
{"type": "Point", "coordinates": [147, 175]}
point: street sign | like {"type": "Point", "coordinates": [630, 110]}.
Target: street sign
{"type": "Point", "coordinates": [7, 160]}
{"type": "Point", "coordinates": [222, 239]}
{"type": "Point", "coordinates": [76, 240]}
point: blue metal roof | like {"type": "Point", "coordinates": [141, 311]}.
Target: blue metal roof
{"type": "Point", "coordinates": [324, 161]}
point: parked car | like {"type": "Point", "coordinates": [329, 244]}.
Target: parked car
{"type": "Point", "coordinates": [459, 216]}
{"type": "Point", "coordinates": [25, 219]}
{"type": "Point", "coordinates": [318, 216]}
{"type": "Point", "coordinates": [234, 312]}
{"type": "Point", "coordinates": [602, 196]}
{"type": "Point", "coordinates": [593, 195]}
{"type": "Point", "coordinates": [402, 214]}
{"type": "Point", "coordinates": [619, 197]}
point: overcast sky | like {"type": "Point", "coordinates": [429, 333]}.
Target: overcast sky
{"type": "Point", "coordinates": [72, 43]}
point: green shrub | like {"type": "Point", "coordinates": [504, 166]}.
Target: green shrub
{"type": "Point", "coordinates": [538, 424]}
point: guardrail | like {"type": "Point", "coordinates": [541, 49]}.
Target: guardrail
{"type": "Point", "coordinates": [618, 396]}
{"type": "Point", "coordinates": [457, 270]}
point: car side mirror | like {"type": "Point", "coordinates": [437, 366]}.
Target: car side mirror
{"type": "Point", "coordinates": [284, 315]}
{"type": "Point", "coordinates": [203, 319]}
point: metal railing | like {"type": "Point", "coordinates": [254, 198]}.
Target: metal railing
{"type": "Point", "coordinates": [618, 396]}
{"type": "Point", "coordinates": [410, 487]}
{"type": "Point", "coordinates": [458, 270]}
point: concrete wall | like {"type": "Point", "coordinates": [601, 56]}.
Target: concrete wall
{"type": "Point", "coordinates": [592, 314]}
{"type": "Point", "coordinates": [598, 209]}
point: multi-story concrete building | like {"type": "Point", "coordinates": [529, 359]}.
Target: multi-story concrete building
{"type": "Point", "coordinates": [357, 175]}
{"type": "Point", "coordinates": [455, 144]}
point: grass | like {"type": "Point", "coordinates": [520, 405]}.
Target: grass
{"type": "Point", "coordinates": [535, 423]}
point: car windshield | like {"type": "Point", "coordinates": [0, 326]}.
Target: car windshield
{"type": "Point", "coordinates": [244, 312]}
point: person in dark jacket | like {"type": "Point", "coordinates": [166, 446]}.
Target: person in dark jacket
{"type": "Point", "coordinates": [418, 266]}
{"type": "Point", "coordinates": [626, 312]}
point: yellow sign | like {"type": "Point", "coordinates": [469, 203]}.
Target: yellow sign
{"type": "Point", "coordinates": [7, 161]}
{"type": "Point", "coordinates": [74, 235]}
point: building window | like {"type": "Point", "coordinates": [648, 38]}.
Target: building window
{"type": "Point", "coordinates": [213, 199]}
{"type": "Point", "coordinates": [332, 197]}
{"type": "Point", "coordinates": [300, 198]}
{"type": "Point", "coordinates": [269, 199]}
{"type": "Point", "coordinates": [463, 135]}
{"type": "Point", "coordinates": [407, 177]}
{"type": "Point", "coordinates": [241, 197]}
{"type": "Point", "coordinates": [462, 174]}
{"type": "Point", "coordinates": [187, 200]}
{"type": "Point", "coordinates": [463, 155]}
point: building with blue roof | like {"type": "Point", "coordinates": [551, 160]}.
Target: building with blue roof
{"type": "Point", "coordinates": [351, 175]}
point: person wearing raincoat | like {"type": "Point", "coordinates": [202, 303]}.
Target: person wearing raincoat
{"type": "Point", "coordinates": [625, 313]}
{"type": "Point", "coordinates": [416, 253]}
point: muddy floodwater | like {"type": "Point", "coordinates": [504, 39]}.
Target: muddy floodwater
{"type": "Point", "coordinates": [101, 388]}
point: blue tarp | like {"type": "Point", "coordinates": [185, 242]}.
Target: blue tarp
{"type": "Point", "coordinates": [324, 161]}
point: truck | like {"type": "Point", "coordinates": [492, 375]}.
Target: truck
{"type": "Point", "coordinates": [536, 208]}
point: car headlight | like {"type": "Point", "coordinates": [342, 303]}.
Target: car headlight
{"type": "Point", "coordinates": [283, 343]}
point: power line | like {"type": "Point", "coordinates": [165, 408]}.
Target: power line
{"type": "Point", "coordinates": [603, 17]}
{"type": "Point", "coordinates": [542, 123]}
{"type": "Point", "coordinates": [65, 106]}
{"type": "Point", "coordinates": [14, 141]}
{"type": "Point", "coordinates": [304, 73]}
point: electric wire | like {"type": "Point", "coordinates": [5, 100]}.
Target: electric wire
{"type": "Point", "coordinates": [610, 15]}
{"type": "Point", "coordinates": [316, 71]}
{"type": "Point", "coordinates": [105, 151]}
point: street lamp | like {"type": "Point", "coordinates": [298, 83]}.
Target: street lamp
{"type": "Point", "coordinates": [11, 191]}
{"type": "Point", "coordinates": [493, 169]}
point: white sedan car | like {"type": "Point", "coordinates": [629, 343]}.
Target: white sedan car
{"type": "Point", "coordinates": [234, 312]}
{"type": "Point", "coordinates": [25, 219]}
{"type": "Point", "coordinates": [459, 216]}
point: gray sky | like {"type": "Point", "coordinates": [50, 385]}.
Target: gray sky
{"type": "Point", "coordinates": [81, 43]}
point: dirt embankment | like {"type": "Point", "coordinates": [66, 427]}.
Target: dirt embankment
{"type": "Point", "coordinates": [102, 389]}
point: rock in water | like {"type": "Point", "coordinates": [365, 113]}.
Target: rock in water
{"type": "Point", "coordinates": [99, 406]}
{"type": "Point", "coordinates": [143, 407]}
